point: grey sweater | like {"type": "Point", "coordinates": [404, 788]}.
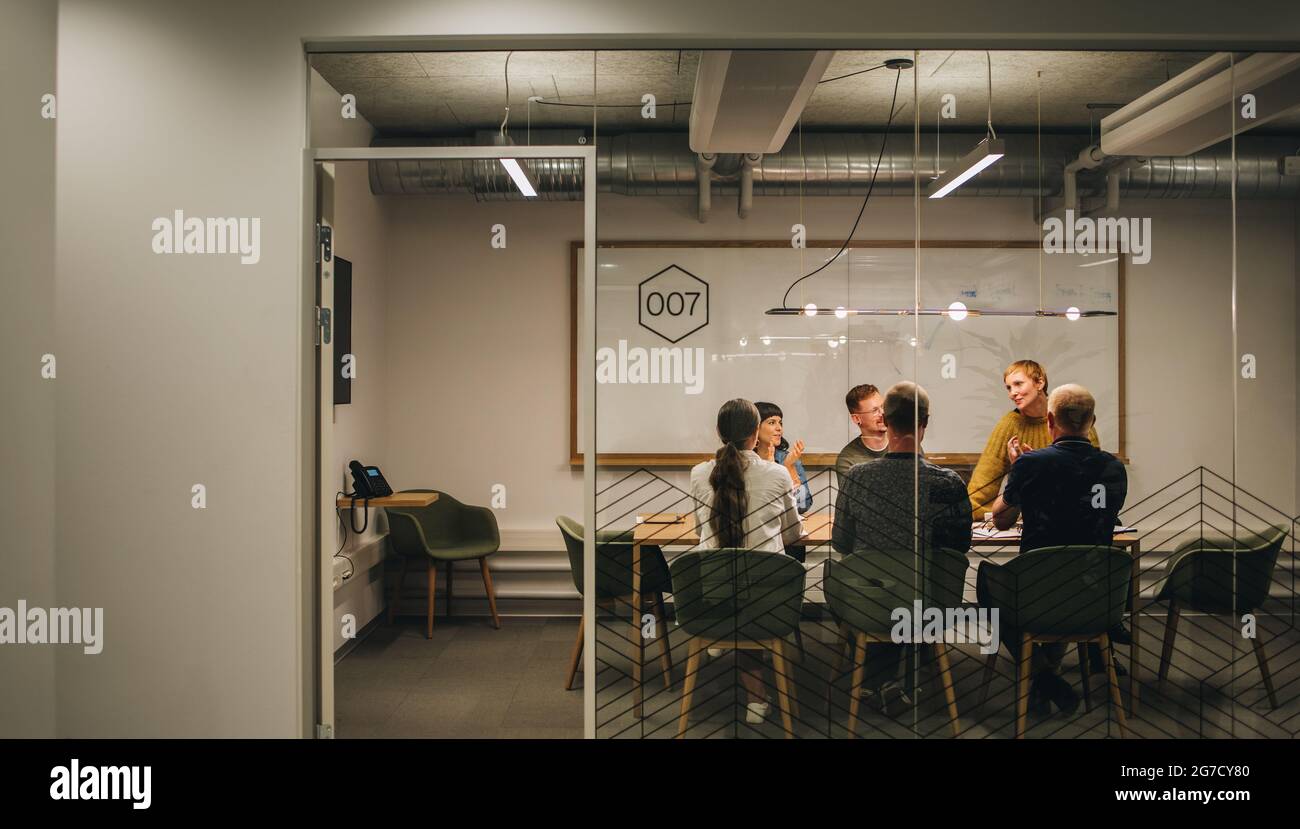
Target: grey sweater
{"type": "Point", "coordinates": [876, 507]}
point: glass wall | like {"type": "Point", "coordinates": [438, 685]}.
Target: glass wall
{"type": "Point", "coordinates": [1015, 233]}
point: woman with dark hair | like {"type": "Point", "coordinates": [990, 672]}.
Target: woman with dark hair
{"type": "Point", "coordinates": [772, 446]}
{"type": "Point", "coordinates": [746, 502]}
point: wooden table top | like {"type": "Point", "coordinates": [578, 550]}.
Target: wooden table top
{"type": "Point", "coordinates": [397, 499]}
{"type": "Point", "coordinates": [817, 529]}
{"type": "Point", "coordinates": [678, 528]}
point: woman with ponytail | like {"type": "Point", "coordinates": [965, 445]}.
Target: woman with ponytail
{"type": "Point", "coordinates": [742, 500]}
{"type": "Point", "coordinates": [746, 502]}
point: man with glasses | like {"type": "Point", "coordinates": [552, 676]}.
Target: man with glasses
{"type": "Point", "coordinates": [866, 410]}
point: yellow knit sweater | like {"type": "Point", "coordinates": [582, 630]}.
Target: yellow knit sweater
{"type": "Point", "coordinates": [993, 464]}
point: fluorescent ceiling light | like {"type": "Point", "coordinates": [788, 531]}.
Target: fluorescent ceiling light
{"type": "Point", "coordinates": [1102, 262]}
{"type": "Point", "coordinates": [520, 175]}
{"type": "Point", "coordinates": [985, 153]}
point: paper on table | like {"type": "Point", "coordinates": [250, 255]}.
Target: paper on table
{"type": "Point", "coordinates": [981, 532]}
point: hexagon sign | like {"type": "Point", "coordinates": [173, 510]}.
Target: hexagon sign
{"type": "Point", "coordinates": [673, 303]}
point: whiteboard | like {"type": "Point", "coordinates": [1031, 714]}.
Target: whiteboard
{"type": "Point", "coordinates": [806, 364]}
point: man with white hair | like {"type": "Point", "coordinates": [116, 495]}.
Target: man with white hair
{"type": "Point", "coordinates": [1057, 487]}
{"type": "Point", "coordinates": [1069, 493]}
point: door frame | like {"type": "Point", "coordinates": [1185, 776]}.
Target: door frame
{"type": "Point", "coordinates": [316, 639]}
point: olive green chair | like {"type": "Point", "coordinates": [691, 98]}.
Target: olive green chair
{"type": "Point", "coordinates": [444, 531]}
{"type": "Point", "coordinates": [740, 599]}
{"type": "Point", "coordinates": [1057, 594]}
{"type": "Point", "coordinates": [1200, 578]}
{"type": "Point", "coordinates": [862, 591]}
{"type": "Point", "coordinates": [614, 585]}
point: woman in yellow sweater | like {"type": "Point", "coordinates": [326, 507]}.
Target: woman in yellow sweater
{"type": "Point", "coordinates": [1020, 430]}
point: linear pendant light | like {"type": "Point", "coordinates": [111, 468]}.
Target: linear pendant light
{"type": "Point", "coordinates": [521, 178]}
{"type": "Point", "coordinates": [516, 171]}
{"type": "Point", "coordinates": [985, 153]}
{"type": "Point", "coordinates": [812, 310]}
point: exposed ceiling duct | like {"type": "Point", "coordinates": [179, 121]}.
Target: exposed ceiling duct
{"type": "Point", "coordinates": [748, 101]}
{"type": "Point", "coordinates": [839, 164]}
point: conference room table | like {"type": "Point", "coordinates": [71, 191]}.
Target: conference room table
{"type": "Point", "coordinates": [674, 529]}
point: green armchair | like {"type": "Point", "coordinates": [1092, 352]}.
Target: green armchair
{"type": "Point", "coordinates": [1200, 577]}
{"type": "Point", "coordinates": [862, 592]}
{"type": "Point", "coordinates": [614, 584]}
{"type": "Point", "coordinates": [1057, 594]}
{"type": "Point", "coordinates": [444, 531]}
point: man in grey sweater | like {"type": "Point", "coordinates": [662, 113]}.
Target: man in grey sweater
{"type": "Point", "coordinates": [900, 504]}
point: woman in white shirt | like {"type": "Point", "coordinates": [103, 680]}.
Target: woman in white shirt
{"type": "Point", "coordinates": [742, 500]}
{"type": "Point", "coordinates": [747, 502]}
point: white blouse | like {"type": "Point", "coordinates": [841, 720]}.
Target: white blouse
{"type": "Point", "coordinates": [773, 519]}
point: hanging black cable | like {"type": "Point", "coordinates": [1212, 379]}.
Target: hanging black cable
{"type": "Point", "coordinates": [884, 139]}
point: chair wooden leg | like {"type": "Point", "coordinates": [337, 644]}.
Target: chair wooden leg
{"type": "Point", "coordinates": [1115, 698]}
{"type": "Point", "coordinates": [451, 566]}
{"type": "Point", "coordinates": [855, 687]}
{"type": "Point", "coordinates": [782, 687]}
{"type": "Point", "coordinates": [990, 665]}
{"type": "Point", "coordinates": [1263, 669]}
{"type": "Point", "coordinates": [1083, 675]}
{"type": "Point", "coordinates": [576, 659]}
{"type": "Point", "coordinates": [433, 583]}
{"type": "Point", "coordinates": [1171, 631]}
{"type": "Point", "coordinates": [665, 647]}
{"type": "Point", "coordinates": [949, 688]}
{"type": "Point", "coordinates": [1022, 684]}
{"type": "Point", "coordinates": [693, 649]}
{"type": "Point", "coordinates": [841, 645]}
{"type": "Point", "coordinates": [397, 590]}
{"type": "Point", "coordinates": [491, 592]}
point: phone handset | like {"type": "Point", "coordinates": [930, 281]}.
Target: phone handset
{"type": "Point", "coordinates": [367, 482]}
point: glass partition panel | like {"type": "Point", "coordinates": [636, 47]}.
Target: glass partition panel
{"type": "Point", "coordinates": [1259, 689]}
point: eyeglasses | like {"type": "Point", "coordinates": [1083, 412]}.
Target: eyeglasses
{"type": "Point", "coordinates": [871, 412]}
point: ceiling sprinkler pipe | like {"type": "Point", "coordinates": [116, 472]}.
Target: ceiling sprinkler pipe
{"type": "Point", "coordinates": [704, 183]}
{"type": "Point", "coordinates": [1090, 157]}
{"type": "Point", "coordinates": [747, 184]}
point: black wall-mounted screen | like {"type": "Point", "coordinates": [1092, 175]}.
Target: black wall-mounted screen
{"type": "Point", "coordinates": [342, 329]}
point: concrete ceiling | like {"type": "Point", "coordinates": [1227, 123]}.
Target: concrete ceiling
{"type": "Point", "coordinates": [437, 93]}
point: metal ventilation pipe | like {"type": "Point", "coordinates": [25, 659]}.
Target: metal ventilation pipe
{"type": "Point", "coordinates": [704, 184]}
{"type": "Point", "coordinates": [840, 164]}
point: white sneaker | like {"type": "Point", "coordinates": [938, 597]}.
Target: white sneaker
{"type": "Point", "coordinates": [756, 712]}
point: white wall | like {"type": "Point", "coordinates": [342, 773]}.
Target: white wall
{"type": "Point", "coordinates": [178, 370]}
{"type": "Point", "coordinates": [327, 125]}
{"type": "Point", "coordinates": [27, 403]}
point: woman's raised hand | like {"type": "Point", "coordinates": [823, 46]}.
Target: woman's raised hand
{"type": "Point", "coordinates": [796, 452]}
